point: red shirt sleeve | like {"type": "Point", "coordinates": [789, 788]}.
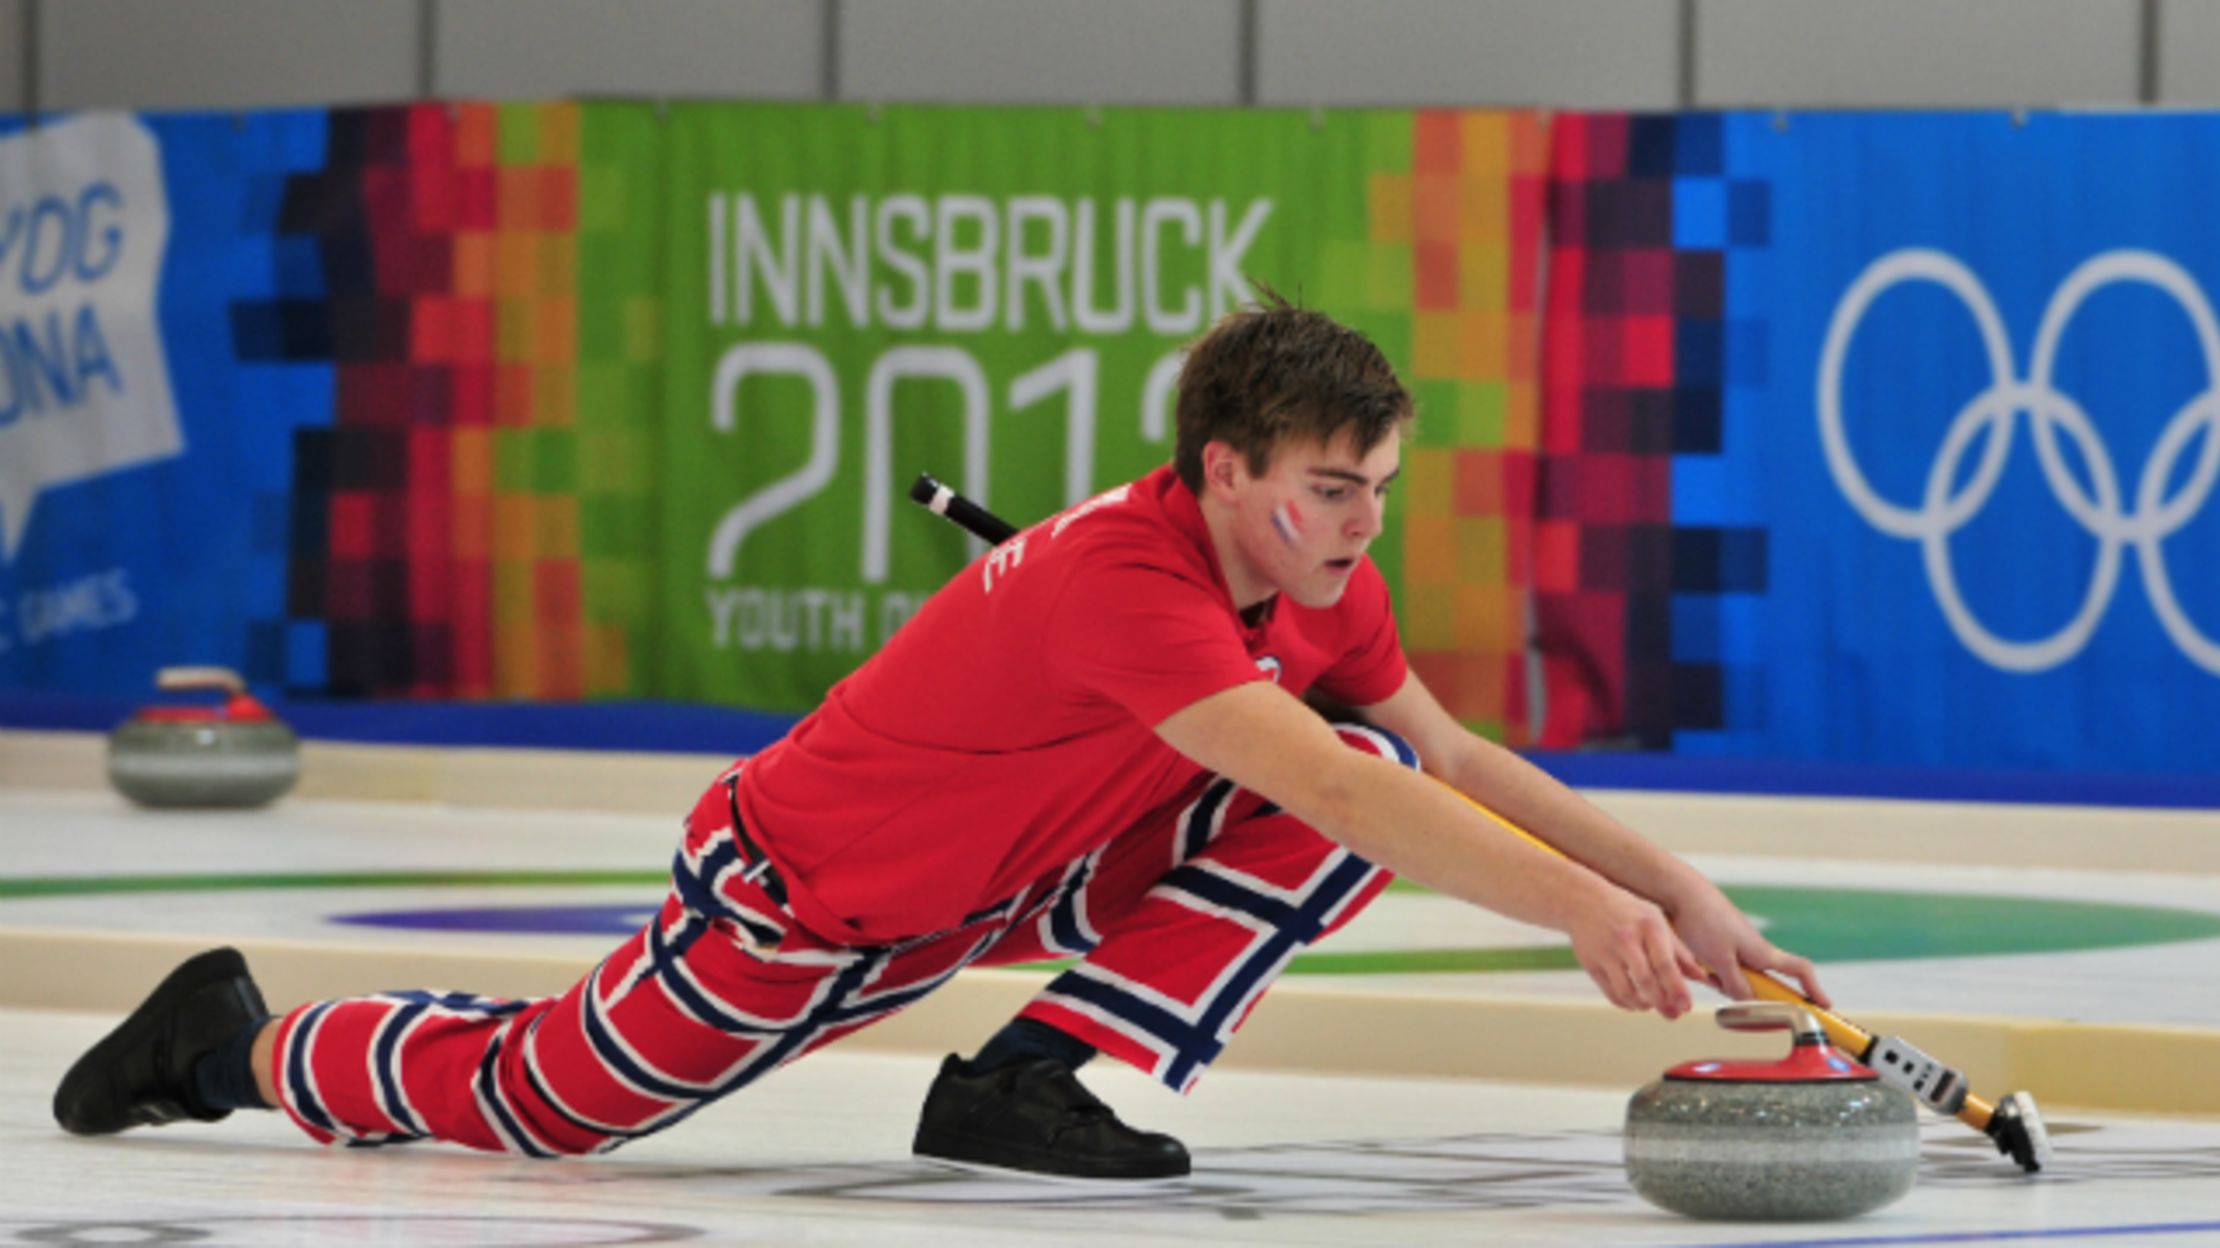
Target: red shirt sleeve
{"type": "Point", "coordinates": [1371, 667]}
{"type": "Point", "coordinates": [1145, 637]}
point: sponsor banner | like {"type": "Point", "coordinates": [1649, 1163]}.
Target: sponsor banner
{"type": "Point", "coordinates": [1884, 438]}
{"type": "Point", "coordinates": [1000, 297]}
{"type": "Point", "coordinates": [559, 400]}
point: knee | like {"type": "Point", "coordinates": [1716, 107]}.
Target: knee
{"type": "Point", "coordinates": [1378, 741]}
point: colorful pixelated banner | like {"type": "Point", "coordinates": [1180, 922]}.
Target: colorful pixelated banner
{"type": "Point", "coordinates": [1001, 297]}
{"type": "Point", "coordinates": [1884, 439]}
{"type": "Point", "coordinates": [478, 285]}
{"type": "Point", "coordinates": [551, 400]}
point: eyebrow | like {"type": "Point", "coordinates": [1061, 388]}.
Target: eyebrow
{"type": "Point", "coordinates": [1355, 478]}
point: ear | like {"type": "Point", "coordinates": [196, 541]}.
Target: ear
{"type": "Point", "coordinates": [1224, 468]}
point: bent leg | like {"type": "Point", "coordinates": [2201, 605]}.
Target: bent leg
{"type": "Point", "coordinates": [1196, 919]}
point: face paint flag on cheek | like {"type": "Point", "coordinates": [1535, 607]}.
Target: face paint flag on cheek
{"type": "Point", "coordinates": [1288, 521]}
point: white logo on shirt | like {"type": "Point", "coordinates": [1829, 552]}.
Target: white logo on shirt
{"type": "Point", "coordinates": [1099, 501]}
{"type": "Point", "coordinates": [1002, 560]}
{"type": "Point", "coordinates": [1270, 666]}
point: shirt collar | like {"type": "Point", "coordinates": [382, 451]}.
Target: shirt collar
{"type": "Point", "coordinates": [1185, 512]}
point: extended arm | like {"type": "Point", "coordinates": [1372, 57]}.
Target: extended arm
{"type": "Point", "coordinates": [1718, 934]}
{"type": "Point", "coordinates": [1269, 742]}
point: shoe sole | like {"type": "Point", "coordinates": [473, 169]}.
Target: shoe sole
{"type": "Point", "coordinates": [202, 970]}
{"type": "Point", "coordinates": [989, 1170]}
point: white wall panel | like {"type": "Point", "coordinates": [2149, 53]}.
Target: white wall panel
{"type": "Point", "coordinates": [1042, 51]}
{"type": "Point", "coordinates": [1557, 53]}
{"type": "Point", "coordinates": [1915, 53]}
{"type": "Point", "coordinates": [536, 49]}
{"type": "Point", "coordinates": [2188, 52]}
{"type": "Point", "coordinates": [225, 53]}
{"type": "Point", "coordinates": [15, 91]}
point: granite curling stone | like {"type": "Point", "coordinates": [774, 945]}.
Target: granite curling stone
{"type": "Point", "coordinates": [1813, 1137]}
{"type": "Point", "coordinates": [235, 754]}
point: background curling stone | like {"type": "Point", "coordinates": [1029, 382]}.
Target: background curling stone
{"type": "Point", "coordinates": [1812, 1137]}
{"type": "Point", "coordinates": [233, 754]}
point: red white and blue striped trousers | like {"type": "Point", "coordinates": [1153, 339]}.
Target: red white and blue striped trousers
{"type": "Point", "coordinates": [1178, 929]}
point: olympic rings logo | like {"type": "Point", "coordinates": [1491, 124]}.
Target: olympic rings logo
{"type": "Point", "coordinates": [2101, 513]}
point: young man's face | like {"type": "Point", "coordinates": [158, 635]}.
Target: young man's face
{"type": "Point", "coordinates": [1304, 523]}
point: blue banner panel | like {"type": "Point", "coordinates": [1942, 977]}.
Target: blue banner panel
{"type": "Point", "coordinates": [144, 470]}
{"type": "Point", "coordinates": [1970, 397]}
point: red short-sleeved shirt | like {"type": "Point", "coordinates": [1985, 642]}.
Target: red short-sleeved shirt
{"type": "Point", "coordinates": [1007, 729]}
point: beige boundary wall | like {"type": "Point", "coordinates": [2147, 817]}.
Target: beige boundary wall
{"type": "Point", "coordinates": [2086, 838]}
{"type": "Point", "coordinates": [1300, 1025]}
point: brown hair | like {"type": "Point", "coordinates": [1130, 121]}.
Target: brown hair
{"type": "Point", "coordinates": [1274, 371]}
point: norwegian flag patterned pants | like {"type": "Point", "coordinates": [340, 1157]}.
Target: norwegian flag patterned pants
{"type": "Point", "coordinates": [1178, 929]}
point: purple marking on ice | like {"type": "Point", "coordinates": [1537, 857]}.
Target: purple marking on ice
{"type": "Point", "coordinates": [618, 920]}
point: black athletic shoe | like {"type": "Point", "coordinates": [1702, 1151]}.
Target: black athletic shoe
{"type": "Point", "coordinates": [1037, 1117]}
{"type": "Point", "coordinates": [141, 1074]}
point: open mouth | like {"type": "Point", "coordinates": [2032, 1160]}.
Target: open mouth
{"type": "Point", "coordinates": [1341, 566]}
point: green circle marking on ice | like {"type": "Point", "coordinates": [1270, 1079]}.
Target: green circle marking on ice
{"type": "Point", "coordinates": [1824, 924]}
{"type": "Point", "coordinates": [1852, 925]}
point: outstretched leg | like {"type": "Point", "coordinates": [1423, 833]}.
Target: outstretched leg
{"type": "Point", "coordinates": [720, 988]}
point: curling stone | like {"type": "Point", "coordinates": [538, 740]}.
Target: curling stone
{"type": "Point", "coordinates": [233, 754]}
{"type": "Point", "coordinates": [1812, 1137]}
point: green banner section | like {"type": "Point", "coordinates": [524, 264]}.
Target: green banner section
{"type": "Point", "coordinates": [999, 297]}
{"type": "Point", "coordinates": [618, 388]}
